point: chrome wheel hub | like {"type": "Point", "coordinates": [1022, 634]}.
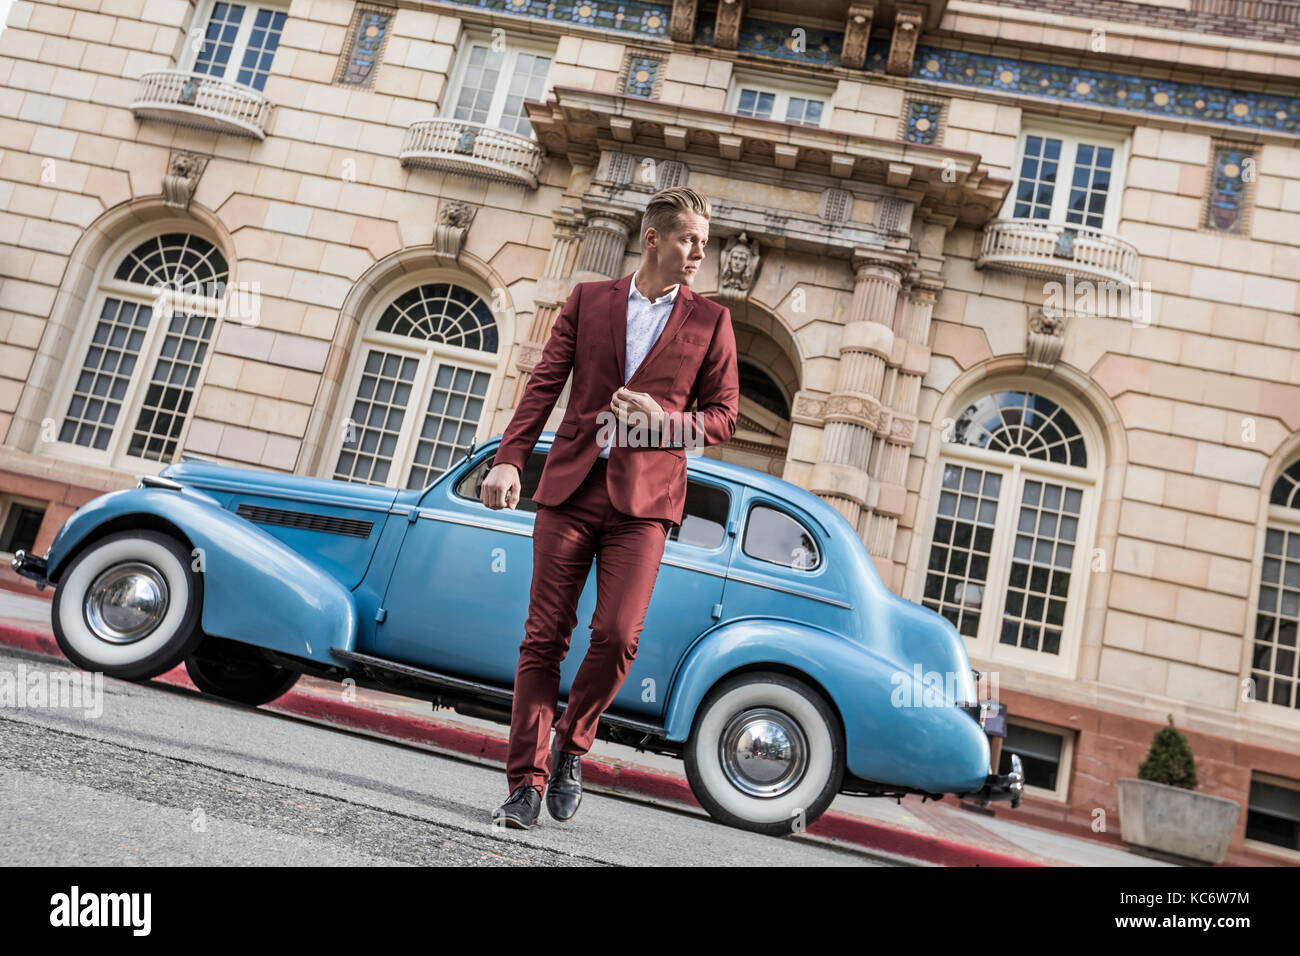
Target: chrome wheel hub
{"type": "Point", "coordinates": [125, 602]}
{"type": "Point", "coordinates": [763, 752]}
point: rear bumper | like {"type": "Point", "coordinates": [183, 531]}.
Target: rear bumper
{"type": "Point", "coordinates": [30, 566]}
{"type": "Point", "coordinates": [1002, 786]}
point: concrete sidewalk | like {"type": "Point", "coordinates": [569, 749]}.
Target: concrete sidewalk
{"type": "Point", "coordinates": [909, 830]}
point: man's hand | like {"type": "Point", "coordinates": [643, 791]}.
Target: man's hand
{"type": "Point", "coordinates": [627, 402]}
{"type": "Point", "coordinates": [501, 487]}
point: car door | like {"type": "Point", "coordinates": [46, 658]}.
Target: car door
{"type": "Point", "coordinates": [457, 600]}
{"type": "Point", "coordinates": [781, 568]}
{"type": "Point", "coordinates": [687, 598]}
{"type": "Point", "coordinates": [458, 595]}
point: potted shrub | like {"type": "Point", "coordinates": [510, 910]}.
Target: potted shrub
{"type": "Point", "coordinates": [1161, 811]}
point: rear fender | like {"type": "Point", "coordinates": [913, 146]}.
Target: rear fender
{"type": "Point", "coordinates": [893, 731]}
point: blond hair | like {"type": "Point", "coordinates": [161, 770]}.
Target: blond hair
{"type": "Point", "coordinates": [665, 209]}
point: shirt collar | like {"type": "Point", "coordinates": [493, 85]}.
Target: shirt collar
{"type": "Point", "coordinates": [669, 296]}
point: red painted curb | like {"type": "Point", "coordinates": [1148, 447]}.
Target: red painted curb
{"type": "Point", "coordinates": [620, 779]}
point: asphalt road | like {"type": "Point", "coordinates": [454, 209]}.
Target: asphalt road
{"type": "Point", "coordinates": [164, 776]}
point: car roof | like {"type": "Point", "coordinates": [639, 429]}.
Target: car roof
{"type": "Point", "coordinates": [832, 522]}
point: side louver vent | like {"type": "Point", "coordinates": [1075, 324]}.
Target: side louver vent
{"type": "Point", "coordinates": [307, 522]}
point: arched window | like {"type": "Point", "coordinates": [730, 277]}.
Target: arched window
{"type": "Point", "coordinates": [1009, 541]}
{"type": "Point", "coordinates": [419, 387]}
{"type": "Point", "coordinates": [140, 359]}
{"type": "Point", "coordinates": [1273, 658]}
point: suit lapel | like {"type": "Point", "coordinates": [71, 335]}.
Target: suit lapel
{"type": "Point", "coordinates": [616, 309]}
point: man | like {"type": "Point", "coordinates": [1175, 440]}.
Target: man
{"type": "Point", "coordinates": [642, 349]}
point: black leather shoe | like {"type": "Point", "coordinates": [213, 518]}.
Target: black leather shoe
{"type": "Point", "coordinates": [521, 809]}
{"type": "Point", "coordinates": [564, 789]}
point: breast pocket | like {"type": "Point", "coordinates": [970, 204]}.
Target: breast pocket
{"type": "Point", "coordinates": [689, 349]}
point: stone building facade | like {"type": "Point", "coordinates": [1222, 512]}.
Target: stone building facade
{"type": "Point", "coordinates": [1014, 288]}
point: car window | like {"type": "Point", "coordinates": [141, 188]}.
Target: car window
{"type": "Point", "coordinates": [704, 519]}
{"type": "Point", "coordinates": [772, 535]}
{"type": "Point", "coordinates": [471, 485]}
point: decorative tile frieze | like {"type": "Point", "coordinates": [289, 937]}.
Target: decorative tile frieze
{"type": "Point", "coordinates": [1131, 92]}
{"type": "Point", "coordinates": [1230, 189]}
{"type": "Point", "coordinates": [367, 37]}
{"type": "Point", "coordinates": [642, 74]}
{"type": "Point", "coordinates": [922, 120]}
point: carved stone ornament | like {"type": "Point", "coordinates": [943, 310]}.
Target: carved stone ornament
{"type": "Point", "coordinates": [737, 267]}
{"type": "Point", "coordinates": [808, 410]}
{"type": "Point", "coordinates": [1046, 338]}
{"type": "Point", "coordinates": [857, 409]}
{"type": "Point", "coordinates": [454, 219]}
{"type": "Point", "coordinates": [857, 31]}
{"type": "Point", "coordinates": [182, 178]}
{"type": "Point", "coordinates": [726, 29]}
{"type": "Point", "coordinates": [907, 30]}
{"type": "Point", "coordinates": [529, 355]}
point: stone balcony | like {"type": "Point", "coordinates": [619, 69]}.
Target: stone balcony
{"type": "Point", "coordinates": [473, 149]}
{"type": "Point", "coordinates": [1036, 247]}
{"type": "Point", "coordinates": [195, 99]}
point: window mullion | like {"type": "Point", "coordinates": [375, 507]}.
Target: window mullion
{"type": "Point", "coordinates": [138, 385]}
{"type": "Point", "coordinates": [1000, 564]}
{"type": "Point", "coordinates": [508, 62]}
{"type": "Point", "coordinates": [1064, 178]}
{"type": "Point", "coordinates": [413, 420]}
{"type": "Point", "coordinates": [240, 45]}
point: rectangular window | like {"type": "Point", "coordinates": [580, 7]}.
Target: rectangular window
{"type": "Point", "coordinates": [1034, 613]}
{"type": "Point", "coordinates": [376, 423]}
{"type": "Point", "coordinates": [495, 83]}
{"type": "Point", "coordinates": [450, 421]}
{"type": "Point", "coordinates": [1273, 814]}
{"type": "Point", "coordinates": [239, 43]}
{"type": "Point", "coordinates": [963, 539]}
{"type": "Point", "coordinates": [22, 522]}
{"type": "Point", "coordinates": [757, 97]}
{"type": "Point", "coordinates": [1275, 654]}
{"type": "Point", "coordinates": [1067, 178]}
{"type": "Point", "coordinates": [1038, 170]}
{"type": "Point", "coordinates": [1042, 754]}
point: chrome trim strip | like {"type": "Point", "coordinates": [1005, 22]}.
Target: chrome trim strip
{"type": "Point", "coordinates": [336, 500]}
{"type": "Point", "coordinates": [776, 587]}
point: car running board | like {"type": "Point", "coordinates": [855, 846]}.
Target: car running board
{"type": "Point", "coordinates": [478, 689]}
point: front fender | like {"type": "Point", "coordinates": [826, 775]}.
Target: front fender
{"type": "Point", "coordinates": [894, 733]}
{"type": "Point", "coordinates": [255, 589]}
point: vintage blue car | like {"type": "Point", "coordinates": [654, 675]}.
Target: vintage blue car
{"type": "Point", "coordinates": [773, 660]}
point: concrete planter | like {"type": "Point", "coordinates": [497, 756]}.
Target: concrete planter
{"type": "Point", "coordinates": [1183, 823]}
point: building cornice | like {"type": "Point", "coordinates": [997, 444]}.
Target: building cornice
{"type": "Point", "coordinates": [944, 183]}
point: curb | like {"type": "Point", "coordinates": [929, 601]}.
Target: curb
{"type": "Point", "coordinates": [632, 781]}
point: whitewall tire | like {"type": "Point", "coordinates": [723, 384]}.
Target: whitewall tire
{"type": "Point", "coordinates": [129, 605]}
{"type": "Point", "coordinates": [766, 753]}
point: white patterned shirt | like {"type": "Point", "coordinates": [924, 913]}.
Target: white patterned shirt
{"type": "Point", "coordinates": [645, 320]}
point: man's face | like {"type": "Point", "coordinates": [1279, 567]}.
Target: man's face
{"type": "Point", "coordinates": [680, 252]}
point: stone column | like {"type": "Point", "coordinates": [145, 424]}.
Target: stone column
{"type": "Point", "coordinates": [853, 409]}
{"type": "Point", "coordinates": [604, 243]}
{"type": "Point", "coordinates": [551, 292]}
{"type": "Point", "coordinates": [897, 424]}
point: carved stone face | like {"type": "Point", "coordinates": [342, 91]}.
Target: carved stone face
{"type": "Point", "coordinates": [737, 258]}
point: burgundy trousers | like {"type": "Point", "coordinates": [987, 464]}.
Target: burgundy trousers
{"type": "Point", "coordinates": [565, 539]}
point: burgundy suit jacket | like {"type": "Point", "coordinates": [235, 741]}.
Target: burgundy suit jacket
{"type": "Point", "coordinates": [693, 359]}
